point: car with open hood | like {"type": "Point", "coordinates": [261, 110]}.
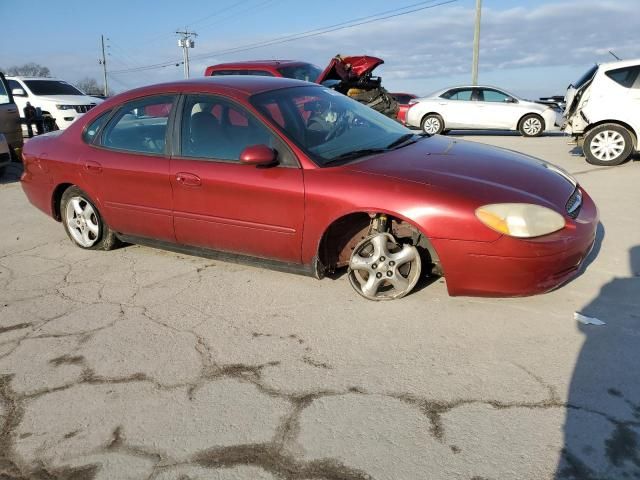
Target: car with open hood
{"type": "Point", "coordinates": [299, 177]}
{"type": "Point", "coordinates": [603, 112]}
{"type": "Point", "coordinates": [350, 75]}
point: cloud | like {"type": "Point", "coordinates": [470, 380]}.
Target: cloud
{"type": "Point", "coordinates": [427, 48]}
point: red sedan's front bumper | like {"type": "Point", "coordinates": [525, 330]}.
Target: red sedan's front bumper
{"type": "Point", "coordinates": [517, 267]}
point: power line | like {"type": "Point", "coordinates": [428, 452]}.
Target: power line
{"type": "Point", "coordinates": [329, 29]}
{"type": "Point", "coordinates": [217, 13]}
{"type": "Point", "coordinates": [309, 33]}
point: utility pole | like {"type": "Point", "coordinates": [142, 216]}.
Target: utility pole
{"type": "Point", "coordinates": [476, 44]}
{"type": "Point", "coordinates": [104, 67]}
{"type": "Point", "coordinates": [186, 43]}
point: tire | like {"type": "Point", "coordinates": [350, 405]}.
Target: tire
{"type": "Point", "coordinates": [531, 125]}
{"type": "Point", "coordinates": [2, 170]}
{"type": "Point", "coordinates": [83, 223]}
{"type": "Point", "coordinates": [380, 268]}
{"type": "Point", "coordinates": [432, 124]}
{"type": "Point", "coordinates": [607, 144]}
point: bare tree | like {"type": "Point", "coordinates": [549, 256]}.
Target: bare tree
{"type": "Point", "coordinates": [89, 86]}
{"type": "Point", "coordinates": [30, 69]}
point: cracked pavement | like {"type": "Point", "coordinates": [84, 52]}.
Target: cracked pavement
{"type": "Point", "coordinates": [146, 364]}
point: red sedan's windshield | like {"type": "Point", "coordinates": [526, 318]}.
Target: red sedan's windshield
{"type": "Point", "coordinates": [329, 126]}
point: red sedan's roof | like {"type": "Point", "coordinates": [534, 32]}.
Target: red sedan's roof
{"type": "Point", "coordinates": [244, 85]}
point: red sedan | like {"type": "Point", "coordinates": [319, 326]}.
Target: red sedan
{"type": "Point", "coordinates": [298, 177]}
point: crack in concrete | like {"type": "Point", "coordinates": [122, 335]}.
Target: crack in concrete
{"type": "Point", "coordinates": [271, 459]}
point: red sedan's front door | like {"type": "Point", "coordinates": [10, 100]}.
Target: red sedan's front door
{"type": "Point", "coordinates": [221, 204]}
{"type": "Point", "coordinates": [127, 168]}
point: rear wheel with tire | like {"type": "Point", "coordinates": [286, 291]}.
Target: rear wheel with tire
{"type": "Point", "coordinates": [607, 144]}
{"type": "Point", "coordinates": [83, 223]}
{"type": "Point", "coordinates": [531, 125]}
{"type": "Point", "coordinates": [432, 124]}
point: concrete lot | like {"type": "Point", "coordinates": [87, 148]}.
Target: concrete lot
{"type": "Point", "coordinates": [141, 363]}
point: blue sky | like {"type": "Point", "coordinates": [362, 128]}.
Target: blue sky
{"type": "Point", "coordinates": [529, 47]}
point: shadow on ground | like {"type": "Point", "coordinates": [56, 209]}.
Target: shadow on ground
{"type": "Point", "coordinates": [602, 425]}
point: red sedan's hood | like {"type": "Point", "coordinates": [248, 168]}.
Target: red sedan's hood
{"type": "Point", "coordinates": [354, 66]}
{"type": "Point", "coordinates": [489, 174]}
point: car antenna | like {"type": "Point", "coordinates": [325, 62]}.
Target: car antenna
{"type": "Point", "coordinates": [614, 55]}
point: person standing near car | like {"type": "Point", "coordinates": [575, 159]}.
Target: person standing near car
{"type": "Point", "coordinates": [29, 117]}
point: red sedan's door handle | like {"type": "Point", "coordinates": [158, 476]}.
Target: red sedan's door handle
{"type": "Point", "coordinates": [188, 179]}
{"type": "Point", "coordinates": [92, 167]}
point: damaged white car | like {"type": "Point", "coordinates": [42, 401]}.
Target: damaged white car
{"type": "Point", "coordinates": [603, 112]}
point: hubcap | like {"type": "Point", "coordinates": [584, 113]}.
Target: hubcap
{"type": "Point", "coordinates": [532, 126]}
{"type": "Point", "coordinates": [607, 145]}
{"type": "Point", "coordinates": [82, 221]}
{"type": "Point", "coordinates": [431, 125]}
{"type": "Point", "coordinates": [381, 269]}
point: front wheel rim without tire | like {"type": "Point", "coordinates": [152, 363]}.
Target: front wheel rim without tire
{"type": "Point", "coordinates": [82, 221]}
{"type": "Point", "coordinates": [532, 126]}
{"type": "Point", "coordinates": [607, 145]}
{"type": "Point", "coordinates": [431, 125]}
{"type": "Point", "coordinates": [382, 269]}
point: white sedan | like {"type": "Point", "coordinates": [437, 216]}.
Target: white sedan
{"type": "Point", "coordinates": [481, 108]}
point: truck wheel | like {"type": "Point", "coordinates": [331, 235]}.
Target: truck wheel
{"type": "Point", "coordinates": [607, 144]}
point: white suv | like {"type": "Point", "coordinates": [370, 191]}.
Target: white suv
{"type": "Point", "coordinates": [57, 98]}
{"type": "Point", "coordinates": [603, 112]}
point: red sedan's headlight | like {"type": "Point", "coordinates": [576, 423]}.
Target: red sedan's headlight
{"type": "Point", "coordinates": [522, 220]}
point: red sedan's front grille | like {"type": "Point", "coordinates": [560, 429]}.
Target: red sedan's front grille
{"type": "Point", "coordinates": [574, 204]}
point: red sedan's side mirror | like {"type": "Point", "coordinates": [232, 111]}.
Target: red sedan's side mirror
{"type": "Point", "coordinates": [258, 155]}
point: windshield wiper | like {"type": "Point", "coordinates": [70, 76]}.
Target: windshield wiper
{"type": "Point", "coordinates": [400, 140]}
{"type": "Point", "coordinates": [356, 153]}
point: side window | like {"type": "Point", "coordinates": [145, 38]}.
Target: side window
{"type": "Point", "coordinates": [624, 76]}
{"type": "Point", "coordinates": [140, 125]}
{"type": "Point", "coordinates": [4, 94]}
{"type": "Point", "coordinates": [464, 94]}
{"type": "Point", "coordinates": [216, 129]}
{"type": "Point", "coordinates": [493, 96]}
{"type": "Point", "coordinates": [93, 129]}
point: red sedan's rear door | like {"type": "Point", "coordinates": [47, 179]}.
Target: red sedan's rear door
{"type": "Point", "coordinates": [127, 168]}
{"type": "Point", "coordinates": [221, 204]}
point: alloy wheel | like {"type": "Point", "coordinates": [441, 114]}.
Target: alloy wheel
{"type": "Point", "coordinates": [382, 269]}
{"type": "Point", "coordinates": [607, 145]}
{"type": "Point", "coordinates": [532, 126]}
{"type": "Point", "coordinates": [82, 221]}
{"type": "Point", "coordinates": [431, 125]}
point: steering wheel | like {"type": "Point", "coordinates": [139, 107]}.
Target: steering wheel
{"type": "Point", "coordinates": [341, 125]}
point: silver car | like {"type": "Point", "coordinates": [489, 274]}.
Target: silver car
{"type": "Point", "coordinates": [481, 108]}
